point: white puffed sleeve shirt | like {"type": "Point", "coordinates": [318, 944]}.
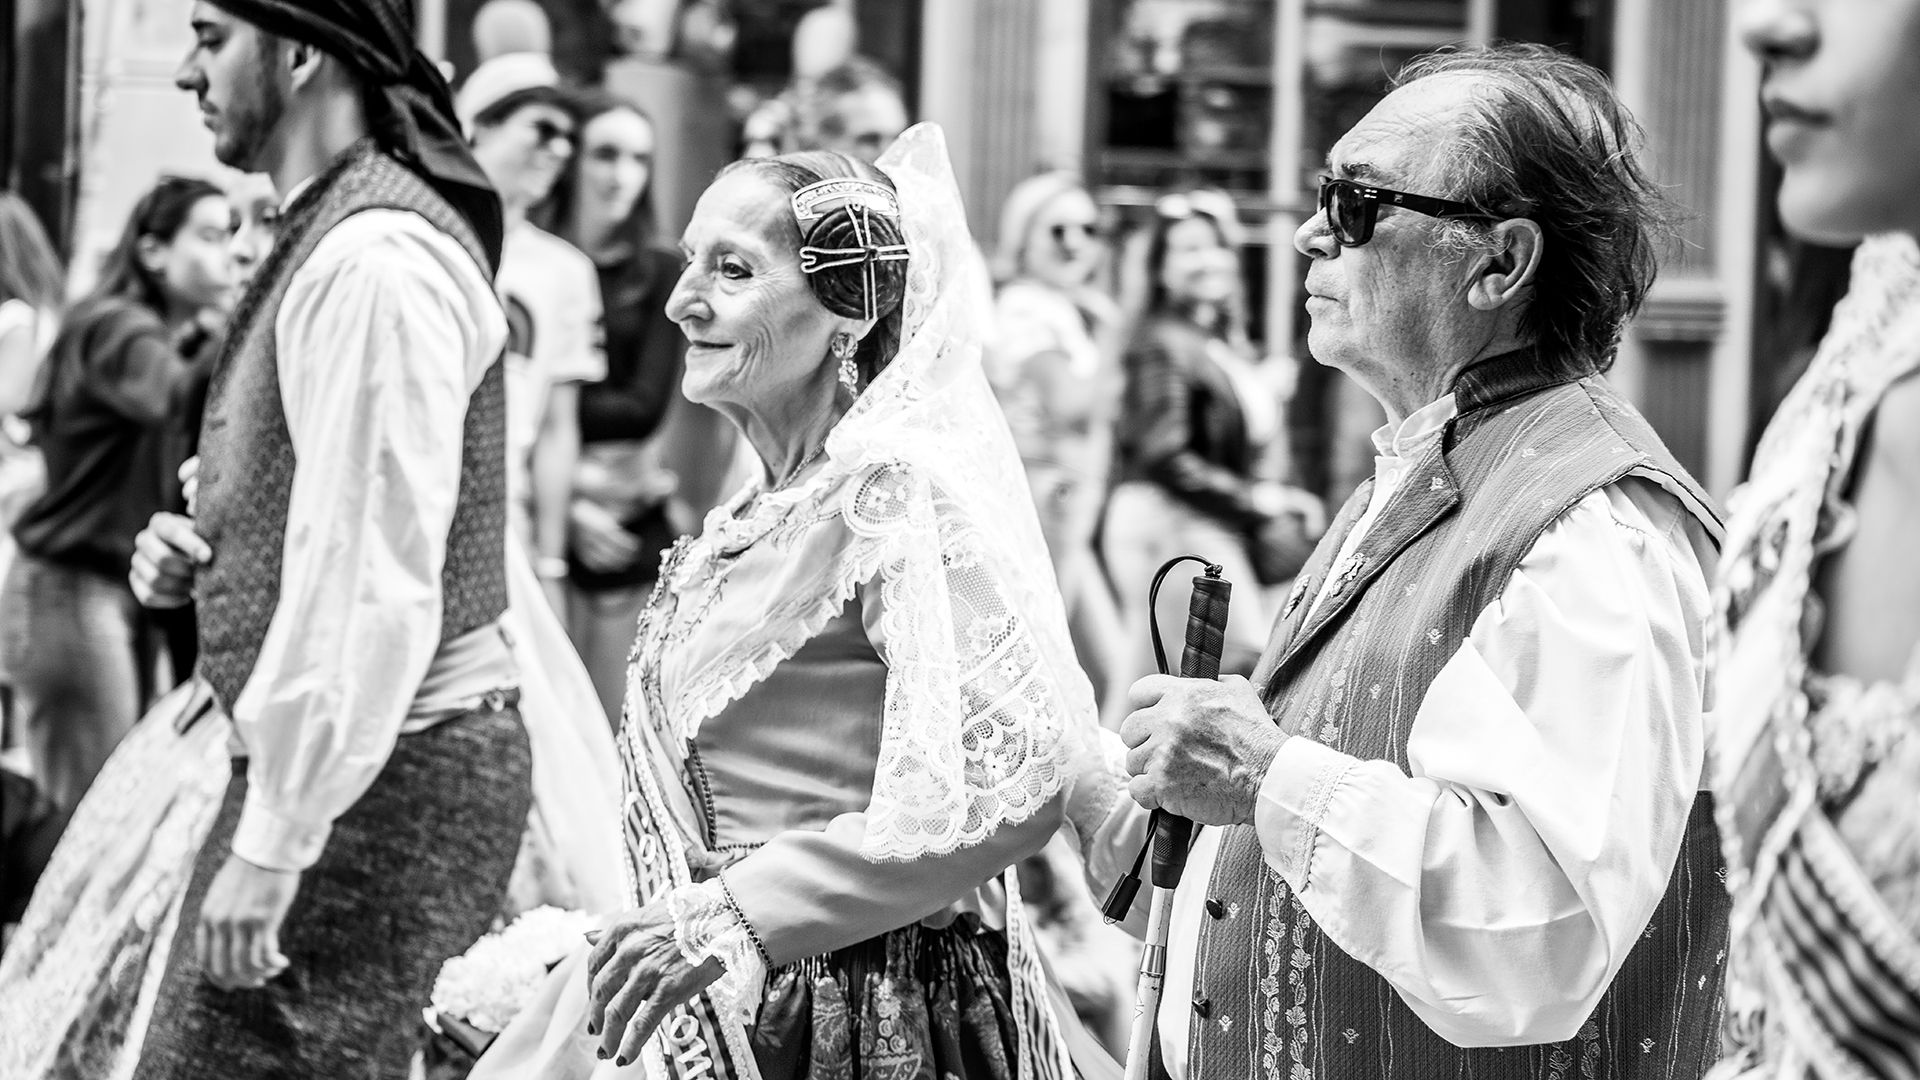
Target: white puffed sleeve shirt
{"type": "Point", "coordinates": [384, 333]}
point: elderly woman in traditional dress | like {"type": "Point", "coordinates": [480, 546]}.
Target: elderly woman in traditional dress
{"type": "Point", "coordinates": [1815, 756]}
{"type": "Point", "coordinates": [852, 703]}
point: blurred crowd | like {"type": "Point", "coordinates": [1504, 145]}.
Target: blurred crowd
{"type": "Point", "coordinates": [1149, 423]}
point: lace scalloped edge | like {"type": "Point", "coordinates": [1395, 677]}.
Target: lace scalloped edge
{"type": "Point", "coordinates": [728, 680]}
{"type": "Point", "coordinates": [707, 926]}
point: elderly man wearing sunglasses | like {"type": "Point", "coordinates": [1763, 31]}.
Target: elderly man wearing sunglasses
{"type": "Point", "coordinates": [1460, 830]}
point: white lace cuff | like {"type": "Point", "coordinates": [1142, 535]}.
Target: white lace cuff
{"type": "Point", "coordinates": [708, 925]}
{"type": "Point", "coordinates": [1098, 771]}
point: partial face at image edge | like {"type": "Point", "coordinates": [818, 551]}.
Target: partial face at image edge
{"type": "Point", "coordinates": [1840, 86]}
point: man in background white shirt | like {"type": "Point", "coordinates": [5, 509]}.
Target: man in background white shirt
{"type": "Point", "coordinates": [1463, 829]}
{"type": "Point", "coordinates": [347, 557]}
{"type": "Point", "coordinates": [523, 132]}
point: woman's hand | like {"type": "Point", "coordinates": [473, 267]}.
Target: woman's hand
{"type": "Point", "coordinates": [166, 555]}
{"type": "Point", "coordinates": [603, 546]}
{"type": "Point", "coordinates": [636, 975]}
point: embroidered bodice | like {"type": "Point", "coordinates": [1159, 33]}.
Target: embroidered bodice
{"type": "Point", "coordinates": [1816, 771]}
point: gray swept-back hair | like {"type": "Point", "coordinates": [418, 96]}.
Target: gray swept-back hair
{"type": "Point", "coordinates": [1546, 138]}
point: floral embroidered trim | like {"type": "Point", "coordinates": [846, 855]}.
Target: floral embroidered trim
{"type": "Point", "coordinates": [707, 925]}
{"type": "Point", "coordinates": [1325, 782]}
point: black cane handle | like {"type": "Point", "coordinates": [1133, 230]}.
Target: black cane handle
{"type": "Point", "coordinates": [1206, 639]}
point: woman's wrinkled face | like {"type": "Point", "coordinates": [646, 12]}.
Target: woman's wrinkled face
{"type": "Point", "coordinates": [616, 164]}
{"type": "Point", "coordinates": [1199, 267]}
{"type": "Point", "coordinates": [1063, 246]}
{"type": "Point", "coordinates": [756, 335]}
{"type": "Point", "coordinates": [1841, 86]}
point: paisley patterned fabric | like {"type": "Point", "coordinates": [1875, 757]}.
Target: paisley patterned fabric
{"type": "Point", "coordinates": [914, 1004]}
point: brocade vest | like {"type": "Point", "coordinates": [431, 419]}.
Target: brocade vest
{"type": "Point", "coordinates": [246, 451]}
{"type": "Point", "coordinates": [1280, 998]}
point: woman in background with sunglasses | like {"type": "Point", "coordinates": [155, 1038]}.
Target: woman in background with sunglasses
{"type": "Point", "coordinates": [1056, 370]}
{"type": "Point", "coordinates": [1198, 417]}
{"type": "Point", "coordinates": [1055, 367]}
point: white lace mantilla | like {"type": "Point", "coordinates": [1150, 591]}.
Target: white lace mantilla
{"type": "Point", "coordinates": [986, 705]}
{"type": "Point", "coordinates": [974, 730]}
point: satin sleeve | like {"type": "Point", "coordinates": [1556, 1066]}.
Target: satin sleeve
{"type": "Point", "coordinates": [807, 892]}
{"type": "Point", "coordinates": [383, 335]}
{"type": "Point", "coordinates": [1499, 883]}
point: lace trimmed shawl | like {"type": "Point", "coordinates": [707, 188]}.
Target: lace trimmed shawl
{"type": "Point", "coordinates": [985, 703]}
{"type": "Point", "coordinates": [987, 713]}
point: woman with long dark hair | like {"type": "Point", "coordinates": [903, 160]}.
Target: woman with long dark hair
{"type": "Point", "coordinates": [104, 414]}
{"type": "Point", "coordinates": [623, 490]}
{"type": "Point", "coordinates": [1197, 417]}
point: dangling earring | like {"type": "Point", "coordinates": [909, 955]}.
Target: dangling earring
{"type": "Point", "coordinates": [843, 350]}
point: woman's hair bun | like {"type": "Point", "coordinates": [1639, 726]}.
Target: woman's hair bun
{"type": "Point", "coordinates": [843, 288]}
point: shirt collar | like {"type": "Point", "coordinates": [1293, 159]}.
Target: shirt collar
{"type": "Point", "coordinates": [1417, 432]}
{"type": "Point", "coordinates": [293, 193]}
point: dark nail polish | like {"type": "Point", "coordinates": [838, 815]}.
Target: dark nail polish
{"type": "Point", "coordinates": [601, 1054]}
{"type": "Point", "coordinates": [622, 1062]}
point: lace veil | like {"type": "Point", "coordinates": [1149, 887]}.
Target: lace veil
{"type": "Point", "coordinates": [986, 704]}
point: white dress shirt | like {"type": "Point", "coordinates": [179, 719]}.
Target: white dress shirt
{"type": "Point", "coordinates": [383, 335]}
{"type": "Point", "coordinates": [1500, 882]}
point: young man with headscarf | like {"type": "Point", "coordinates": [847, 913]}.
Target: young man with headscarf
{"type": "Point", "coordinates": [347, 557]}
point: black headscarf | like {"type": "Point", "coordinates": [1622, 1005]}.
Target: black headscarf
{"type": "Point", "coordinates": [409, 107]}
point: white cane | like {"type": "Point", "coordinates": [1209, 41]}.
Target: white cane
{"type": "Point", "coordinates": [1205, 639]}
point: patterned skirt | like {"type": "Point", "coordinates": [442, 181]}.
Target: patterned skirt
{"type": "Point", "coordinates": [913, 1004]}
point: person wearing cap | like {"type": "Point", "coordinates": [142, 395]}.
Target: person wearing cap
{"type": "Point", "coordinates": [521, 126]}
{"type": "Point", "coordinates": [522, 130]}
{"type": "Point", "coordinates": [347, 556]}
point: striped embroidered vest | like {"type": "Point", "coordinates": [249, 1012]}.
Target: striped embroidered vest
{"type": "Point", "coordinates": [247, 457]}
{"type": "Point", "coordinates": [1274, 996]}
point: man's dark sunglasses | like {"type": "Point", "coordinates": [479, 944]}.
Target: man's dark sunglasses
{"type": "Point", "coordinates": [1352, 207]}
{"type": "Point", "coordinates": [547, 131]}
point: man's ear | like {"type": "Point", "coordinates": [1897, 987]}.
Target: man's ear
{"type": "Point", "coordinates": [1506, 275]}
{"type": "Point", "coordinates": [303, 62]}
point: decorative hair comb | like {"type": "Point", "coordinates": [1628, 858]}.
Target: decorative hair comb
{"type": "Point", "coordinates": [860, 199]}
{"type": "Point", "coordinates": [816, 200]}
